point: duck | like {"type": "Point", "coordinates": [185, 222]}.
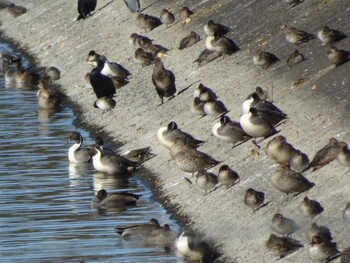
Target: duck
{"type": "Point", "coordinates": [167, 17]}
{"type": "Point", "coordinates": [99, 142]}
{"type": "Point", "coordinates": [325, 155]}
{"type": "Point", "coordinates": [185, 15]}
{"type": "Point", "coordinates": [140, 155]}
{"type": "Point", "coordinates": [230, 131]}
{"type": "Point", "coordinates": [139, 41]}
{"type": "Point", "coordinates": [282, 246]}
{"type": "Point", "coordinates": [254, 199]}
{"type": "Point", "coordinates": [211, 28]}
{"type": "Point", "coordinates": [26, 77]}
{"type": "Point", "coordinates": [189, 159]}
{"type": "Point", "coordinates": [133, 5]}
{"type": "Point", "coordinates": [264, 59]}
{"type": "Point", "coordinates": [105, 200]}
{"type": "Point", "coordinates": [103, 85]}
{"type": "Point", "coordinates": [322, 249]}
{"type": "Point", "coordinates": [16, 10]}
{"type": "Point", "coordinates": [11, 57]}
{"type": "Point", "coordinates": [138, 230]}
{"type": "Point", "coordinates": [206, 180]}
{"type": "Point", "coordinates": [288, 181]}
{"type": "Point", "coordinates": [337, 57]}
{"type": "Point", "coordinates": [189, 40]}
{"type": "Point", "coordinates": [329, 36]}
{"type": "Point", "coordinates": [105, 104]}
{"type": "Point", "coordinates": [114, 69]}
{"type": "Point", "coordinates": [227, 176]}
{"type": "Point", "coordinates": [221, 45]}
{"type": "Point", "coordinates": [298, 161]}
{"type": "Point", "coordinates": [310, 208]}
{"type": "Point", "coordinates": [48, 99]}
{"type": "Point", "coordinates": [343, 156]}
{"type": "Point", "coordinates": [168, 135]}
{"type": "Point", "coordinates": [147, 22]}
{"type": "Point", "coordinates": [260, 92]}
{"type": "Point", "coordinates": [163, 80]}
{"type": "Point", "coordinates": [197, 107]}
{"type": "Point", "coordinates": [283, 225]}
{"type": "Point", "coordinates": [77, 154]}
{"type": "Point", "coordinates": [163, 237]}
{"type": "Point", "coordinates": [111, 164]}
{"type": "Point", "coordinates": [51, 74]}
{"type": "Point", "coordinates": [206, 56]}
{"type": "Point", "coordinates": [85, 7]}
{"type": "Point", "coordinates": [195, 249]}
{"type": "Point", "coordinates": [295, 58]}
{"type": "Point", "coordinates": [322, 231]}
{"type": "Point", "coordinates": [279, 150]}
{"type": "Point", "coordinates": [297, 36]}
{"type": "Point", "coordinates": [204, 93]}
{"type": "Point", "coordinates": [143, 57]}
{"type": "Point", "coordinates": [214, 108]}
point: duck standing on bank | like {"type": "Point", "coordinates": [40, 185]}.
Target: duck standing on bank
{"type": "Point", "coordinates": [103, 86]}
{"type": "Point", "coordinates": [85, 7]}
{"type": "Point", "coordinates": [164, 81]}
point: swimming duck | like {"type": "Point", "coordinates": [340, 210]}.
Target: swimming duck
{"type": "Point", "coordinates": [47, 99]}
{"type": "Point", "coordinates": [254, 199]}
{"type": "Point", "coordinates": [163, 237]}
{"type": "Point", "coordinates": [16, 10]}
{"type": "Point", "coordinates": [310, 208]}
{"type": "Point", "coordinates": [189, 40]}
{"type": "Point", "coordinates": [133, 5]}
{"type": "Point", "coordinates": [138, 230]}
{"type": "Point", "coordinates": [322, 249]}
{"type": "Point", "coordinates": [221, 45]}
{"type": "Point", "coordinates": [296, 36]}
{"type": "Point", "coordinates": [166, 17]}
{"type": "Point", "coordinates": [103, 85]}
{"type": "Point", "coordinates": [105, 103]}
{"type": "Point", "coordinates": [10, 57]}
{"type": "Point", "coordinates": [85, 7]}
{"type": "Point", "coordinates": [77, 154]}
{"type": "Point", "coordinates": [282, 246]}
{"type": "Point", "coordinates": [328, 36]}
{"type": "Point", "coordinates": [283, 225]}
{"type": "Point", "coordinates": [295, 58]}
{"type": "Point", "coordinates": [147, 22]}
{"type": "Point", "coordinates": [211, 28]}
{"type": "Point", "coordinates": [289, 181]}
{"type": "Point", "coordinates": [195, 249]}
{"type": "Point", "coordinates": [227, 176]}
{"type": "Point", "coordinates": [337, 57]}
{"type": "Point", "coordinates": [168, 135]}
{"type": "Point", "coordinates": [111, 164]}
{"type": "Point", "coordinates": [52, 74]}
{"type": "Point", "coordinates": [325, 155]}
{"type": "Point", "coordinates": [143, 57]}
{"type": "Point", "coordinates": [206, 180]}
{"type": "Point", "coordinates": [105, 150]}
{"type": "Point", "coordinates": [105, 200]}
{"type": "Point", "coordinates": [229, 131]}
{"type": "Point", "coordinates": [189, 159]}
{"type": "Point", "coordinates": [264, 59]}
{"type": "Point", "coordinates": [164, 80]}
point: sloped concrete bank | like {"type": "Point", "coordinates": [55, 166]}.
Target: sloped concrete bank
{"type": "Point", "coordinates": [317, 109]}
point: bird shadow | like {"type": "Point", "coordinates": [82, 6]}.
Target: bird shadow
{"type": "Point", "coordinates": [105, 5]}
{"type": "Point", "coordinates": [149, 6]}
{"type": "Point", "coordinates": [186, 88]}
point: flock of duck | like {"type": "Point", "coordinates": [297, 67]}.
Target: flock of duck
{"type": "Point", "coordinates": [260, 119]}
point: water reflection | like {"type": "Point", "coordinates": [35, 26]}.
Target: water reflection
{"type": "Point", "coordinates": [45, 211]}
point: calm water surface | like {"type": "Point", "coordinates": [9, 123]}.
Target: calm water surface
{"type": "Point", "coordinates": [45, 213]}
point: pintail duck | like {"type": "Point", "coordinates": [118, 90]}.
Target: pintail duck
{"type": "Point", "coordinates": [140, 155]}
{"type": "Point", "coordinates": [189, 40]}
{"type": "Point", "coordinates": [143, 57]}
{"type": "Point", "coordinates": [147, 22]}
{"type": "Point", "coordinates": [206, 180]}
{"type": "Point", "coordinates": [337, 57]}
{"type": "Point", "coordinates": [264, 59]}
{"type": "Point", "coordinates": [103, 85]}
{"type": "Point", "coordinates": [111, 164]}
{"type": "Point", "coordinates": [51, 74]}
{"type": "Point", "coordinates": [197, 106]}
{"type": "Point", "coordinates": [133, 5]}
{"type": "Point", "coordinates": [296, 36]}
{"type": "Point", "coordinates": [322, 249]}
{"type": "Point", "coordinates": [164, 80]}
{"type": "Point", "coordinates": [310, 208]}
{"type": "Point", "coordinates": [214, 108]}
{"type": "Point", "coordinates": [204, 93]}
{"type": "Point", "coordinates": [168, 135]}
{"type": "Point", "coordinates": [227, 176]}
{"type": "Point", "coordinates": [105, 150]}
{"type": "Point", "coordinates": [325, 155]}
{"type": "Point", "coordinates": [329, 36]}
{"type": "Point", "coordinates": [289, 181]}
{"type": "Point", "coordinates": [166, 17]}
{"type": "Point", "coordinates": [85, 7]}
{"type": "Point", "coordinates": [114, 69]}
{"type": "Point", "coordinates": [221, 45]}
{"type": "Point", "coordinates": [283, 225]}
{"type": "Point", "coordinates": [77, 154]}
{"type": "Point", "coordinates": [138, 230]}
{"type": "Point", "coordinates": [230, 131]}
{"type": "Point", "coordinates": [185, 15]}
{"type": "Point", "coordinates": [195, 249]}
{"type": "Point", "coordinates": [321, 231]}
{"type": "Point", "coordinates": [254, 199]}
{"type": "Point", "coordinates": [189, 159]}
{"type": "Point", "coordinates": [48, 99]}
{"type": "Point", "coordinates": [104, 200]}
{"type": "Point", "coordinates": [211, 28]}
{"type": "Point", "coordinates": [346, 212]}
{"type": "Point", "coordinates": [260, 92]}
{"type": "Point", "coordinates": [105, 104]}
{"type": "Point", "coordinates": [282, 246]}
{"type": "Point", "coordinates": [16, 10]}
{"type": "Point", "coordinates": [295, 58]}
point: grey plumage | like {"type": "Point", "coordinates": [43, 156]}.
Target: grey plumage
{"type": "Point", "coordinates": [189, 40]}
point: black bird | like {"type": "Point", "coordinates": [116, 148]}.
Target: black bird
{"type": "Point", "coordinates": [163, 80]}
{"type": "Point", "coordinates": [103, 85]}
{"type": "Point", "coordinates": [133, 5]}
{"type": "Point", "coordinates": [85, 7]}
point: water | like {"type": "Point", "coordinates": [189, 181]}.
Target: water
{"type": "Point", "coordinates": [45, 212]}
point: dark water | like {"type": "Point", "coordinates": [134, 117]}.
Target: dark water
{"type": "Point", "coordinates": [45, 213]}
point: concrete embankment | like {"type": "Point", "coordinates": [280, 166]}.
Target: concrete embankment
{"type": "Point", "coordinates": [317, 108]}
